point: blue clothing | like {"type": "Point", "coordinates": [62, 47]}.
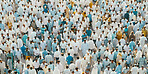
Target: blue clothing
{"type": "Point", "coordinates": [115, 54]}
{"type": "Point", "coordinates": [88, 33]}
{"type": "Point", "coordinates": [132, 45]}
{"type": "Point", "coordinates": [42, 30]}
{"type": "Point", "coordinates": [24, 38]}
{"type": "Point", "coordinates": [2, 26]}
{"type": "Point", "coordinates": [90, 17]}
{"type": "Point", "coordinates": [69, 59]}
{"type": "Point", "coordinates": [44, 53]}
{"type": "Point", "coordinates": [118, 69]}
{"type": "Point", "coordinates": [126, 30]}
{"type": "Point", "coordinates": [41, 60]}
{"type": "Point", "coordinates": [23, 49]}
{"type": "Point", "coordinates": [84, 37]}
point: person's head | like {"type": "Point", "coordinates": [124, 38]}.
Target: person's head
{"type": "Point", "coordinates": [28, 66]}
{"type": "Point", "coordinates": [67, 67]}
{"type": "Point", "coordinates": [69, 54]}
{"type": "Point", "coordinates": [108, 67]}
{"type": "Point", "coordinates": [76, 68]}
{"type": "Point", "coordinates": [49, 69]}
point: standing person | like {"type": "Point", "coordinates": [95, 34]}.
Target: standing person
{"type": "Point", "coordinates": [2, 66]}
{"type": "Point", "coordinates": [135, 69]}
{"type": "Point", "coordinates": [84, 47]}
{"type": "Point", "coordinates": [19, 65]}
{"type": "Point", "coordinates": [26, 71]}
{"type": "Point", "coordinates": [118, 69]}
{"type": "Point", "coordinates": [69, 59]}
{"type": "Point", "coordinates": [36, 65]}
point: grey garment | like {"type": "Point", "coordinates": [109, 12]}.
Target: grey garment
{"type": "Point", "coordinates": [130, 29]}
{"type": "Point", "coordinates": [33, 25]}
{"type": "Point", "coordinates": [4, 57]}
{"type": "Point", "coordinates": [2, 68]}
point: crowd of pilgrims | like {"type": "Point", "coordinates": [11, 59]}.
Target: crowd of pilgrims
{"type": "Point", "coordinates": [73, 36]}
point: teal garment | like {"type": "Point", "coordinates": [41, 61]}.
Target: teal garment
{"type": "Point", "coordinates": [132, 45]}
{"type": "Point", "coordinates": [84, 48]}
{"type": "Point", "coordinates": [10, 55]}
{"type": "Point", "coordinates": [45, 10]}
{"type": "Point", "coordinates": [49, 44]}
{"type": "Point", "coordinates": [126, 15]}
{"type": "Point", "coordinates": [59, 38]}
{"type": "Point", "coordinates": [84, 37]}
{"type": "Point", "coordinates": [112, 65]}
{"type": "Point", "coordinates": [54, 46]}
{"type": "Point", "coordinates": [126, 30]}
{"type": "Point", "coordinates": [44, 53]}
{"type": "Point", "coordinates": [23, 49]}
{"type": "Point", "coordinates": [90, 17]}
{"type": "Point", "coordinates": [24, 38]}
{"type": "Point", "coordinates": [41, 72]}
{"type": "Point", "coordinates": [17, 70]}
{"type": "Point", "coordinates": [88, 33]}
{"type": "Point", "coordinates": [69, 59]}
{"type": "Point", "coordinates": [98, 54]}
{"type": "Point", "coordinates": [45, 5]}
{"type": "Point", "coordinates": [27, 53]}
{"type": "Point", "coordinates": [43, 30]}
{"type": "Point", "coordinates": [118, 69]}
{"type": "Point", "coordinates": [70, 6]}
{"type": "Point", "coordinates": [115, 55]}
{"type": "Point", "coordinates": [6, 70]}
{"type": "Point", "coordinates": [41, 60]}
{"type": "Point", "coordinates": [135, 13]}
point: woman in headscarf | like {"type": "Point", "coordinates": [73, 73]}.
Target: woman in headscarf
{"type": "Point", "coordinates": [119, 35]}
{"type": "Point", "coordinates": [132, 36]}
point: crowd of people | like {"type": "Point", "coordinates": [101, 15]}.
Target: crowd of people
{"type": "Point", "coordinates": [73, 36]}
